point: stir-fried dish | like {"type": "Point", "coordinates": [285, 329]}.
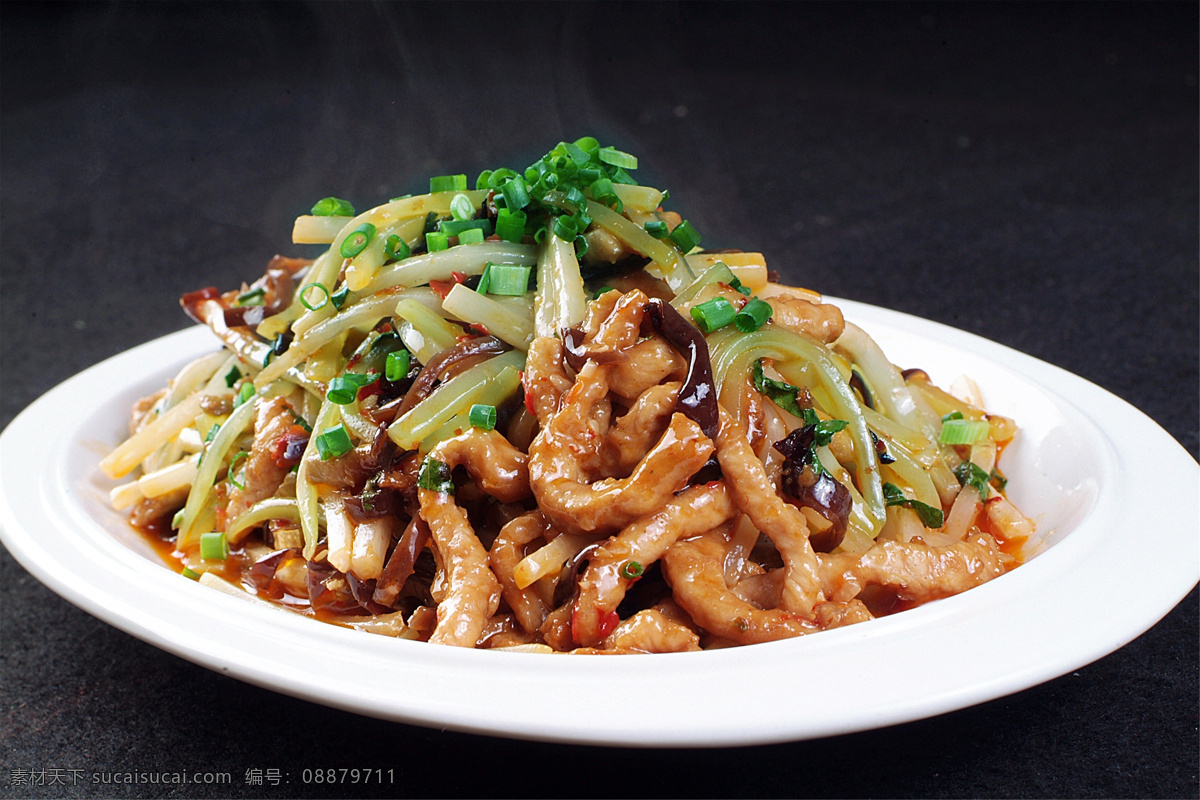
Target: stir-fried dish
{"type": "Point", "coordinates": [536, 414]}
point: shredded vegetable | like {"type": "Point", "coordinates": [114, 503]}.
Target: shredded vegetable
{"type": "Point", "coordinates": [535, 415]}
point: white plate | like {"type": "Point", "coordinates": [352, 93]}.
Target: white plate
{"type": "Point", "coordinates": [1083, 466]}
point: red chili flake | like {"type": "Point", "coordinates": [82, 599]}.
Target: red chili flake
{"type": "Point", "coordinates": [441, 287]}
{"type": "Point", "coordinates": [371, 388]}
{"type": "Point", "coordinates": [608, 622]}
{"type": "Point", "coordinates": [459, 277]}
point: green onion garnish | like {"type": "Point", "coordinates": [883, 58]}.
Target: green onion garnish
{"type": "Point", "coordinates": [232, 376]}
{"type": "Point", "coordinates": [952, 415]}
{"type": "Point", "coordinates": [304, 299]}
{"type": "Point", "coordinates": [713, 314]}
{"type": "Point", "coordinates": [455, 227]}
{"type": "Point", "coordinates": [396, 367]}
{"type": "Point", "coordinates": [190, 573]}
{"type": "Point", "coordinates": [334, 442]}
{"type": "Point", "coordinates": [564, 228]}
{"type": "Point", "coordinates": [516, 193]}
{"type": "Point", "coordinates": [214, 546]}
{"type": "Point", "coordinates": [930, 517]}
{"type": "Point", "coordinates": [339, 297]}
{"type": "Point", "coordinates": [448, 183]}
{"type": "Point", "coordinates": [617, 158]}
{"type": "Point", "coordinates": [508, 279]}
{"type": "Point", "coordinates": [177, 520]}
{"type": "Point", "coordinates": [632, 570]}
{"type": "Point", "coordinates": [246, 392]}
{"type": "Point", "coordinates": [753, 315]}
{"type": "Point", "coordinates": [737, 286]}
{"type": "Point", "coordinates": [657, 228]}
{"type": "Point", "coordinates": [343, 390]}
{"type": "Point", "coordinates": [396, 248]}
{"type": "Point", "coordinates": [332, 207]}
{"type": "Point", "coordinates": [781, 393]}
{"type": "Point", "coordinates": [482, 416]}
{"type": "Point", "coordinates": [510, 225]}
{"type": "Point", "coordinates": [471, 236]}
{"type": "Point", "coordinates": [461, 207]}
{"type": "Point", "coordinates": [435, 476]}
{"type": "Point", "coordinates": [357, 240]}
{"type": "Point", "coordinates": [254, 297]}
{"type": "Point", "coordinates": [436, 241]}
{"type": "Point", "coordinates": [685, 237]}
{"type": "Point", "coordinates": [964, 431]}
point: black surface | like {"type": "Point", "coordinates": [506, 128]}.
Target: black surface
{"type": "Point", "coordinates": [1024, 172]}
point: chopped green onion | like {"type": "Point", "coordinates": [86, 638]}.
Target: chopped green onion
{"type": "Point", "coordinates": [454, 227]}
{"type": "Point", "coordinates": [435, 476]}
{"type": "Point", "coordinates": [484, 180]}
{"type": "Point", "coordinates": [930, 517]}
{"type": "Point", "coordinates": [737, 286]}
{"type": "Point", "coordinates": [587, 144]}
{"type": "Point", "coordinates": [448, 183]}
{"type": "Point", "coordinates": [212, 433]}
{"type": "Point", "coordinates": [239, 458]}
{"type": "Point", "coordinates": [753, 315]}
{"type": "Point", "coordinates": [343, 390]}
{"type": "Point", "coordinates": [214, 546]}
{"type": "Point", "coordinates": [396, 248]}
{"type": "Point", "coordinates": [516, 193]}
{"type": "Point", "coordinates": [435, 241]}
{"type": "Point", "coordinates": [254, 297]}
{"type": "Point", "coordinates": [304, 300]}
{"type": "Point", "coordinates": [245, 393]}
{"type": "Point", "coordinates": [508, 279]}
{"type": "Point", "coordinates": [564, 228]}
{"type": "Point", "coordinates": [685, 237]}
{"type": "Point", "coordinates": [357, 240]}
{"type": "Point", "coordinates": [232, 376]}
{"type": "Point", "coordinates": [332, 207]}
{"type": "Point", "coordinates": [964, 431]}
{"type": "Point", "coordinates": [632, 570]}
{"type": "Point", "coordinates": [482, 416]}
{"type": "Point", "coordinates": [190, 573]}
{"type": "Point", "coordinates": [397, 365]}
{"type": "Point", "coordinates": [177, 520]}
{"type": "Point", "coordinates": [471, 236]}
{"type": "Point", "coordinates": [621, 176]}
{"type": "Point", "coordinates": [581, 246]}
{"type": "Point", "coordinates": [461, 206]}
{"type": "Point", "coordinates": [617, 158]}
{"type": "Point", "coordinates": [657, 228]}
{"type": "Point", "coordinates": [339, 297]}
{"type": "Point", "coordinates": [713, 314]}
{"type": "Point", "coordinates": [334, 442]}
{"type": "Point", "coordinates": [952, 415]}
{"type": "Point", "coordinates": [485, 279]}
{"type": "Point", "coordinates": [510, 225]}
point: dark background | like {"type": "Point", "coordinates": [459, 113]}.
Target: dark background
{"type": "Point", "coordinates": [1025, 172]}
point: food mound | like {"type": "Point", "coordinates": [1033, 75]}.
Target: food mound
{"type": "Point", "coordinates": [536, 415]}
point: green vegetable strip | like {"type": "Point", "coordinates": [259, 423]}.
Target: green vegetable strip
{"type": "Point", "coordinates": [898, 402]}
{"type": "Point", "coordinates": [425, 332]}
{"type": "Point", "coordinates": [717, 273]}
{"type": "Point", "coordinates": [260, 512]}
{"type": "Point", "coordinates": [365, 313]}
{"type": "Point", "coordinates": [499, 319]}
{"type": "Point", "coordinates": [802, 363]}
{"type": "Point", "coordinates": [327, 268]}
{"type": "Point", "coordinates": [561, 298]}
{"type": "Point", "coordinates": [497, 391]}
{"type": "Point", "coordinates": [455, 396]}
{"type": "Point", "coordinates": [674, 268]}
{"type": "Point", "coordinates": [210, 466]}
{"type": "Point", "coordinates": [307, 501]}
